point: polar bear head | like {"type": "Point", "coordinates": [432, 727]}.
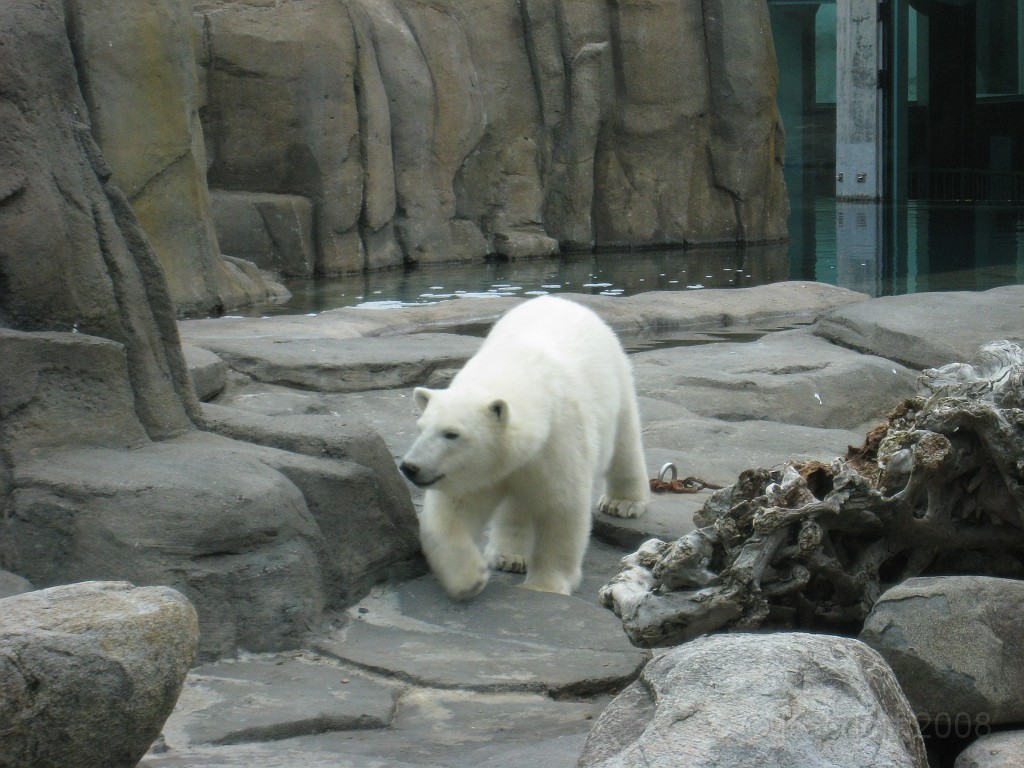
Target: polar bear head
{"type": "Point", "coordinates": [462, 441]}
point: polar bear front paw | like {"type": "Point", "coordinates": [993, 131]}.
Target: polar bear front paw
{"type": "Point", "coordinates": [507, 561]}
{"type": "Point", "coordinates": [466, 585]}
{"type": "Point", "coordinates": [621, 507]}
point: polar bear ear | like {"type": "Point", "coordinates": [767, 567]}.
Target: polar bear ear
{"type": "Point", "coordinates": [422, 397]}
{"type": "Point", "coordinates": [499, 410]}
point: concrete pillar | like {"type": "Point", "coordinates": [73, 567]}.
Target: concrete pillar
{"type": "Point", "coordinates": [858, 101]}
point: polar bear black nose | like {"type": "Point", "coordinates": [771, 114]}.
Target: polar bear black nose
{"type": "Point", "coordinates": [409, 470]}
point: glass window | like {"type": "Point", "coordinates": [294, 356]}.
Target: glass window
{"type": "Point", "coordinates": [825, 54]}
{"type": "Point", "coordinates": [999, 56]}
{"type": "Point", "coordinates": [917, 57]}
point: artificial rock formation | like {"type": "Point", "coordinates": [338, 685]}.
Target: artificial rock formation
{"type": "Point", "coordinates": [936, 489]}
{"type": "Point", "coordinates": [106, 471]}
{"type": "Point", "coordinates": [444, 131]}
{"type": "Point", "coordinates": [343, 136]}
{"type": "Point", "coordinates": [136, 68]}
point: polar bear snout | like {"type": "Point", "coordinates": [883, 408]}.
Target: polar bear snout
{"type": "Point", "coordinates": [416, 474]}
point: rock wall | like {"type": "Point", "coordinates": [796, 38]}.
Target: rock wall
{"type": "Point", "coordinates": [108, 469]}
{"type": "Point", "coordinates": [446, 131]}
{"type": "Point", "coordinates": [136, 68]}
{"type": "Point", "coordinates": [344, 135]}
{"type": "Point", "coordinates": [73, 258]}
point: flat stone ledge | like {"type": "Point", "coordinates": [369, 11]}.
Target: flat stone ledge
{"type": "Point", "coordinates": [345, 365]}
{"type": "Point", "coordinates": [274, 697]}
{"type": "Point", "coordinates": [926, 330]}
{"type": "Point", "coordinates": [506, 639]}
{"type": "Point", "coordinates": [792, 377]}
{"type": "Point", "coordinates": [207, 371]}
{"type": "Point", "coordinates": [669, 516]}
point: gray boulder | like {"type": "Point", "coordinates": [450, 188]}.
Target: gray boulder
{"type": "Point", "coordinates": [260, 539]}
{"type": "Point", "coordinates": [236, 537]}
{"type": "Point", "coordinates": [13, 584]}
{"type": "Point", "coordinates": [90, 672]}
{"type": "Point", "coordinates": [788, 699]}
{"type": "Point", "coordinates": [955, 644]}
{"type": "Point", "coordinates": [994, 750]}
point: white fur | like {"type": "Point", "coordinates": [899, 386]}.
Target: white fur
{"type": "Point", "coordinates": [516, 443]}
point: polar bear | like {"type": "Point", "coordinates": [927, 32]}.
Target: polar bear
{"type": "Point", "coordinates": [517, 443]}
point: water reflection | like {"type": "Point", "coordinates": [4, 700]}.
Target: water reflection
{"type": "Point", "coordinates": [884, 250]}
{"type": "Point", "coordinates": [873, 248]}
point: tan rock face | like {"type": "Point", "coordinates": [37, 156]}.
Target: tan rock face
{"type": "Point", "coordinates": [444, 131]}
{"type": "Point", "coordinates": [429, 130]}
{"type": "Point", "coordinates": [137, 68]}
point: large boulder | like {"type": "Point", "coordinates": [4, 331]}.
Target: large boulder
{"type": "Point", "coordinates": [229, 532]}
{"type": "Point", "coordinates": [956, 646]}
{"type": "Point", "coordinates": [90, 672]}
{"type": "Point", "coordinates": [994, 750]}
{"type": "Point", "coordinates": [789, 699]}
{"type": "Point", "coordinates": [261, 540]}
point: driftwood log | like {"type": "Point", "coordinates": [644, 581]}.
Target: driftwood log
{"type": "Point", "coordinates": [938, 488]}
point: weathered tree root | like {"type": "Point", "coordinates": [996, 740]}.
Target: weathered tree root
{"type": "Point", "coordinates": [939, 488]}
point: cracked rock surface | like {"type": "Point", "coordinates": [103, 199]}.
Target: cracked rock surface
{"type": "Point", "coordinates": [404, 677]}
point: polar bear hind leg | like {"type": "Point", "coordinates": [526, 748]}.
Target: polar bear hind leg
{"type": "Point", "coordinates": [561, 534]}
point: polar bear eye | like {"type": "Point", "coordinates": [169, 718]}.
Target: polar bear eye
{"type": "Point", "coordinates": [449, 434]}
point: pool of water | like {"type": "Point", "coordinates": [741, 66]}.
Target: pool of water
{"type": "Point", "coordinates": [886, 250]}
{"type": "Point", "coordinates": [876, 249]}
